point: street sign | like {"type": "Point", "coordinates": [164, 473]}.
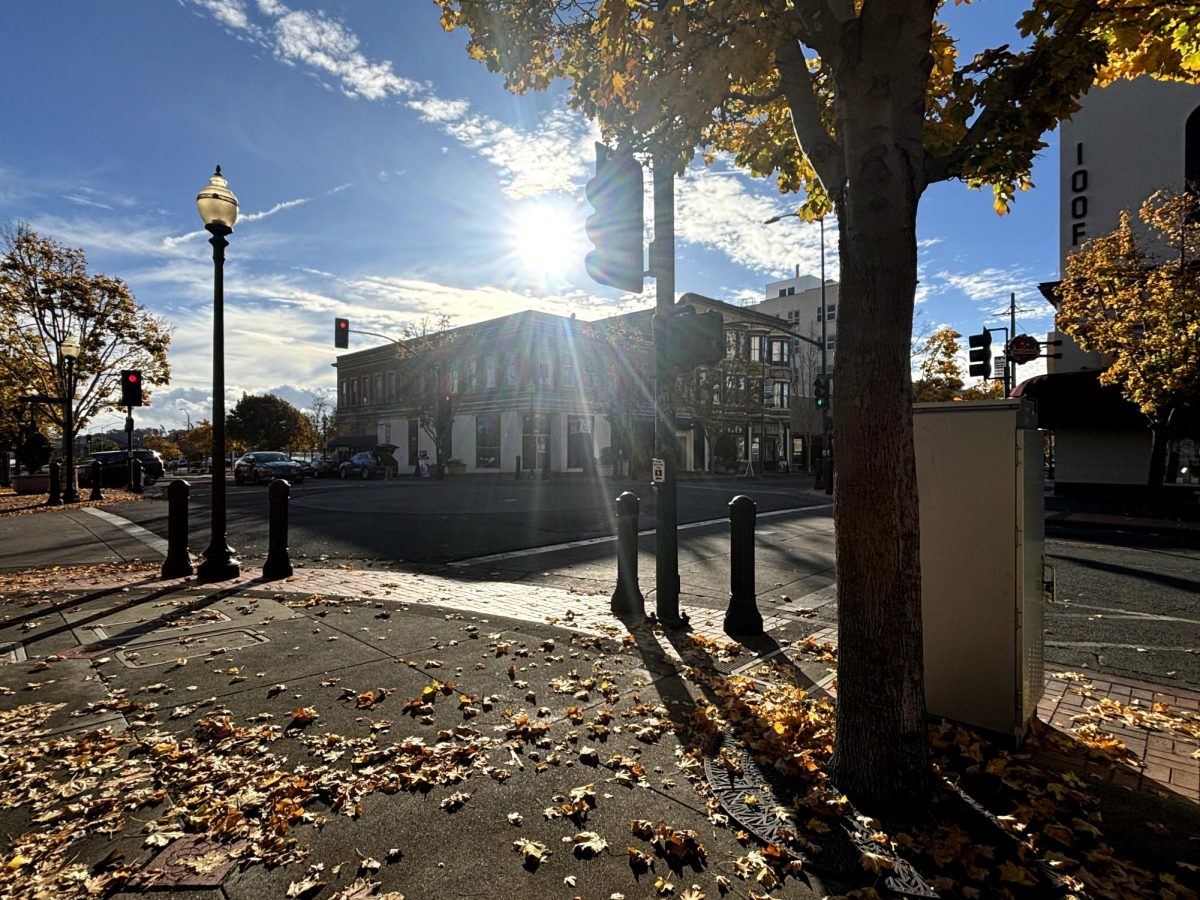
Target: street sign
{"type": "Point", "coordinates": [1024, 348]}
{"type": "Point", "coordinates": [658, 471]}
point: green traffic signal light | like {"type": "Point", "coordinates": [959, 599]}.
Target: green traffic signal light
{"type": "Point", "coordinates": [821, 393]}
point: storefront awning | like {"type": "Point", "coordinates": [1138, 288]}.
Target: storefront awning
{"type": "Point", "coordinates": [353, 442]}
{"type": "Point", "coordinates": [1078, 400]}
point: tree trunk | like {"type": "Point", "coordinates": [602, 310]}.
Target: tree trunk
{"type": "Point", "coordinates": [881, 751]}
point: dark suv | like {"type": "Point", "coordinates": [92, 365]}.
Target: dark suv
{"type": "Point", "coordinates": [114, 467]}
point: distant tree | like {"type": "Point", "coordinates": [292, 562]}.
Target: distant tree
{"type": "Point", "coordinates": [322, 417]}
{"type": "Point", "coordinates": [424, 376]}
{"type": "Point", "coordinates": [1134, 296]}
{"type": "Point", "coordinates": [941, 371]}
{"type": "Point", "coordinates": [196, 443]}
{"type": "Point", "coordinates": [267, 422]}
{"type": "Point", "coordinates": [166, 448]}
{"type": "Point", "coordinates": [984, 389]}
{"type": "Point", "coordinates": [46, 296]}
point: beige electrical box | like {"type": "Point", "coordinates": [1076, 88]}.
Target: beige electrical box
{"type": "Point", "coordinates": [979, 473]}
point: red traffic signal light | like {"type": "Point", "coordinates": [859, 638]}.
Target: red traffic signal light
{"type": "Point", "coordinates": [131, 387]}
{"type": "Point", "coordinates": [341, 333]}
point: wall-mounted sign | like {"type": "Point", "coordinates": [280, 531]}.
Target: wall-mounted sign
{"type": "Point", "coordinates": [658, 470]}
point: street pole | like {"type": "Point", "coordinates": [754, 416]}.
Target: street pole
{"type": "Point", "coordinates": [70, 494]}
{"type": "Point", "coordinates": [666, 444]}
{"type": "Point", "coordinates": [825, 453]}
{"type": "Point", "coordinates": [218, 208]}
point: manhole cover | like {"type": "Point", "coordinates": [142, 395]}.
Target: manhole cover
{"type": "Point", "coordinates": [193, 861]}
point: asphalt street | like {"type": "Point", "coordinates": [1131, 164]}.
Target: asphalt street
{"type": "Point", "coordinates": [1125, 603]}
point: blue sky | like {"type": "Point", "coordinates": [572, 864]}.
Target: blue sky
{"type": "Point", "coordinates": [384, 176]}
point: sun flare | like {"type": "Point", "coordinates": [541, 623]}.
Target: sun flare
{"type": "Point", "coordinates": [545, 239]}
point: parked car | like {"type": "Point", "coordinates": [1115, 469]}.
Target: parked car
{"type": "Point", "coordinates": [361, 465]}
{"type": "Point", "coordinates": [114, 467]}
{"type": "Point", "coordinates": [267, 465]}
{"type": "Point", "coordinates": [306, 467]}
{"type": "Point", "coordinates": [325, 468]}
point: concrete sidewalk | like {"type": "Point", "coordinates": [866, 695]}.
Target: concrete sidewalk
{"type": "Point", "coordinates": [536, 727]}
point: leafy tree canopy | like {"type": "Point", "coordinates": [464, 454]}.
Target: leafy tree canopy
{"type": "Point", "coordinates": [46, 296]}
{"type": "Point", "coordinates": [941, 371]}
{"type": "Point", "coordinates": [1134, 295]}
{"type": "Point", "coordinates": [267, 422]}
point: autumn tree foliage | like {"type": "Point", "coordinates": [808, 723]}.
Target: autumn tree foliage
{"type": "Point", "coordinates": [1134, 296]}
{"type": "Point", "coordinates": [859, 105]}
{"type": "Point", "coordinates": [48, 295]}
{"type": "Point", "coordinates": [267, 422]}
{"type": "Point", "coordinates": [941, 372]}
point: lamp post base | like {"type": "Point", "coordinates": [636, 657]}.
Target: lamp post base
{"type": "Point", "coordinates": [218, 565]}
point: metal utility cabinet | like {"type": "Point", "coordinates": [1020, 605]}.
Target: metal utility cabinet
{"type": "Point", "coordinates": [979, 473]}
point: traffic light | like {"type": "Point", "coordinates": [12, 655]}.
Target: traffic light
{"type": "Point", "coordinates": [341, 333]}
{"type": "Point", "coordinates": [131, 387]}
{"type": "Point", "coordinates": [694, 339]}
{"type": "Point", "coordinates": [821, 393]}
{"type": "Point", "coordinates": [445, 410]}
{"type": "Point", "coordinates": [615, 228]}
{"type": "Point", "coordinates": [981, 354]}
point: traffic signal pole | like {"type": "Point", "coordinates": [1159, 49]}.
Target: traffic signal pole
{"type": "Point", "coordinates": [666, 444]}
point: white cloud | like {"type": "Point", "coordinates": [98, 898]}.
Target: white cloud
{"type": "Point", "coordinates": [555, 155]}
{"type": "Point", "coordinates": [715, 207]}
{"type": "Point", "coordinates": [262, 214]}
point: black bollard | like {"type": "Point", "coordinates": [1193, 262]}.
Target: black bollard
{"type": "Point", "coordinates": [518, 467]}
{"type": "Point", "coordinates": [97, 477]}
{"type": "Point", "coordinates": [135, 480]}
{"type": "Point", "coordinates": [278, 565]}
{"type": "Point", "coordinates": [627, 599]}
{"type": "Point", "coordinates": [55, 496]}
{"type": "Point", "coordinates": [742, 617]}
{"type": "Point", "coordinates": [178, 563]}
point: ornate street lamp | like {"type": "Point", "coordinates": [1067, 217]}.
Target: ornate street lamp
{"type": "Point", "coordinates": [218, 210]}
{"type": "Point", "coordinates": [70, 352]}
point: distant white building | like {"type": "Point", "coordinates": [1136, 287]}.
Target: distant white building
{"type": "Point", "coordinates": [808, 310]}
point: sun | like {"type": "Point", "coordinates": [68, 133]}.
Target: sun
{"type": "Point", "coordinates": [544, 238]}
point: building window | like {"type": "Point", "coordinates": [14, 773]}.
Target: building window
{"type": "Point", "coordinates": [579, 442]}
{"type": "Point", "coordinates": [831, 312]}
{"type": "Point", "coordinates": [487, 441]}
{"type": "Point", "coordinates": [756, 347]}
{"type": "Point", "coordinates": [512, 375]}
{"type": "Point", "coordinates": [343, 397]}
{"type": "Point", "coordinates": [543, 369]}
{"type": "Point", "coordinates": [366, 390]}
{"type": "Point", "coordinates": [354, 392]}
{"type": "Point", "coordinates": [782, 292]}
{"type": "Point", "coordinates": [453, 380]}
{"type": "Point", "coordinates": [567, 377]}
{"type": "Point", "coordinates": [377, 393]}
{"type": "Point", "coordinates": [791, 291]}
{"type": "Point", "coordinates": [831, 343]}
{"type": "Point", "coordinates": [783, 395]}
{"type": "Point", "coordinates": [489, 369]}
{"type": "Point", "coordinates": [387, 433]}
{"type": "Point", "coordinates": [780, 352]}
{"type": "Point", "coordinates": [391, 385]}
{"type": "Point", "coordinates": [473, 375]}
